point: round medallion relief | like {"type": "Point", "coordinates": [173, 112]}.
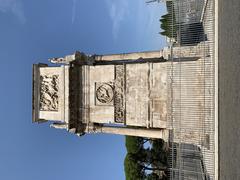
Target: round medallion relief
{"type": "Point", "coordinates": [104, 93]}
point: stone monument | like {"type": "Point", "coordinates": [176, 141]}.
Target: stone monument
{"type": "Point", "coordinates": [119, 94]}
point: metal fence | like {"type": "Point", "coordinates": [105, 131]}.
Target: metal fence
{"type": "Point", "coordinates": [189, 27]}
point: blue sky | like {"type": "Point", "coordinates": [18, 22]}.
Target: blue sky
{"type": "Point", "coordinates": [33, 31]}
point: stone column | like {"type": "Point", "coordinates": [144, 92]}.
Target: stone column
{"type": "Point", "coordinates": [140, 132]}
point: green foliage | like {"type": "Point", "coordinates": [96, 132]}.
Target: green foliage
{"type": "Point", "coordinates": [152, 176]}
{"type": "Point", "coordinates": [168, 22]}
{"type": "Point", "coordinates": [133, 144]}
{"type": "Point", "coordinates": [158, 150]}
{"type": "Point", "coordinates": [159, 154]}
{"type": "Point", "coordinates": [132, 167]}
{"type": "Point", "coordinates": [139, 160]}
{"type": "Point", "coordinates": [133, 170]}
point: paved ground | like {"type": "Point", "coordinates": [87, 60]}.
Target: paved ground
{"type": "Point", "coordinates": [229, 89]}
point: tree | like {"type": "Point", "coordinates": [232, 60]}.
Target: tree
{"type": "Point", "coordinates": [159, 152]}
{"type": "Point", "coordinates": [152, 176]}
{"type": "Point", "coordinates": [133, 144]}
{"type": "Point", "coordinates": [144, 163]}
{"type": "Point", "coordinates": [168, 22]}
{"type": "Point", "coordinates": [133, 171]}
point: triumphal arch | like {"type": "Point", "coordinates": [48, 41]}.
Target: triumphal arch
{"type": "Point", "coordinates": [126, 94]}
{"type": "Point", "coordinates": [119, 94]}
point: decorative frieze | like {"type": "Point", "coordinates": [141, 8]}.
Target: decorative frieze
{"type": "Point", "coordinates": [49, 92]}
{"type": "Point", "coordinates": [119, 94]}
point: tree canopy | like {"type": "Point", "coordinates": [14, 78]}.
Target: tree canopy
{"type": "Point", "coordinates": [168, 22]}
{"type": "Point", "coordinates": [145, 162]}
{"type": "Point", "coordinates": [133, 170]}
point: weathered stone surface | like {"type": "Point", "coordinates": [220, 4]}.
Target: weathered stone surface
{"type": "Point", "coordinates": [146, 95]}
{"type": "Point", "coordinates": [49, 93]}
{"type": "Point", "coordinates": [119, 94]}
{"type": "Point", "coordinates": [104, 93]}
{"type": "Point", "coordinates": [137, 94]}
{"type": "Point", "coordinates": [51, 90]}
{"type": "Point", "coordinates": [101, 100]}
{"type": "Point", "coordinates": [126, 94]}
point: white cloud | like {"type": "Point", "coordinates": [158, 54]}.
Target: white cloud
{"type": "Point", "coordinates": [74, 10]}
{"type": "Point", "coordinates": [118, 10]}
{"type": "Point", "coordinates": [15, 7]}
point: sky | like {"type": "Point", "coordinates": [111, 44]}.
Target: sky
{"type": "Point", "coordinates": [33, 31]}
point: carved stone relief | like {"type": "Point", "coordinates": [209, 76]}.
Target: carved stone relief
{"type": "Point", "coordinates": [49, 92]}
{"type": "Point", "coordinates": [104, 93]}
{"type": "Point", "coordinates": [119, 94]}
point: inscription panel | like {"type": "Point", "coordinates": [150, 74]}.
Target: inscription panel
{"type": "Point", "coordinates": [137, 92]}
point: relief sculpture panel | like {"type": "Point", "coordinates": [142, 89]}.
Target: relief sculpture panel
{"type": "Point", "coordinates": [104, 93]}
{"type": "Point", "coordinates": [49, 92]}
{"type": "Point", "coordinates": [119, 95]}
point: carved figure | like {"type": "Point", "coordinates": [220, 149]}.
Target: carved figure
{"type": "Point", "coordinates": [49, 93]}
{"type": "Point", "coordinates": [104, 93]}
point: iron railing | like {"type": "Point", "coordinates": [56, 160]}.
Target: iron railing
{"type": "Point", "coordinates": [189, 27]}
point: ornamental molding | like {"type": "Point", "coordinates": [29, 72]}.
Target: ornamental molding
{"type": "Point", "coordinates": [119, 94]}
